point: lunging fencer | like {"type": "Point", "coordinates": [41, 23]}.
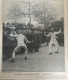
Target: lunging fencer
{"type": "Point", "coordinates": [21, 40]}
{"type": "Point", "coordinates": [53, 41]}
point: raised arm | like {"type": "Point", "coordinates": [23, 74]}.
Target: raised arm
{"type": "Point", "coordinates": [58, 32]}
{"type": "Point", "coordinates": [11, 35]}
{"type": "Point", "coordinates": [13, 32]}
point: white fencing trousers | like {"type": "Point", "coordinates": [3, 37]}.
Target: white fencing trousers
{"type": "Point", "coordinates": [53, 41]}
{"type": "Point", "coordinates": [17, 49]}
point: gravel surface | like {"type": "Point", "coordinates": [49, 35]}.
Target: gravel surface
{"type": "Point", "coordinates": [37, 62]}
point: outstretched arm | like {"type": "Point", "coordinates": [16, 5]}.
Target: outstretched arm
{"type": "Point", "coordinates": [58, 32]}
{"type": "Point", "coordinates": [13, 35]}
{"type": "Point", "coordinates": [48, 34]}
{"type": "Point", "coordinates": [27, 40]}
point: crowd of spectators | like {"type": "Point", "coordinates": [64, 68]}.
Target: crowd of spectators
{"type": "Point", "coordinates": [35, 35]}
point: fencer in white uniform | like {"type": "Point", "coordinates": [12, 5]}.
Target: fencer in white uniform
{"type": "Point", "coordinates": [21, 39]}
{"type": "Point", "coordinates": [53, 41]}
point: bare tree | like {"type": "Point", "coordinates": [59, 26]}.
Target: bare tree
{"type": "Point", "coordinates": [28, 11]}
{"type": "Point", "coordinates": [15, 13]}
{"type": "Point", "coordinates": [44, 13]}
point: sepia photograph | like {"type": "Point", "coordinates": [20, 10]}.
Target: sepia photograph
{"type": "Point", "coordinates": [33, 36]}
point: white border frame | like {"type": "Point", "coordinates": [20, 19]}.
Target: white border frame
{"type": "Point", "coordinates": [38, 75]}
